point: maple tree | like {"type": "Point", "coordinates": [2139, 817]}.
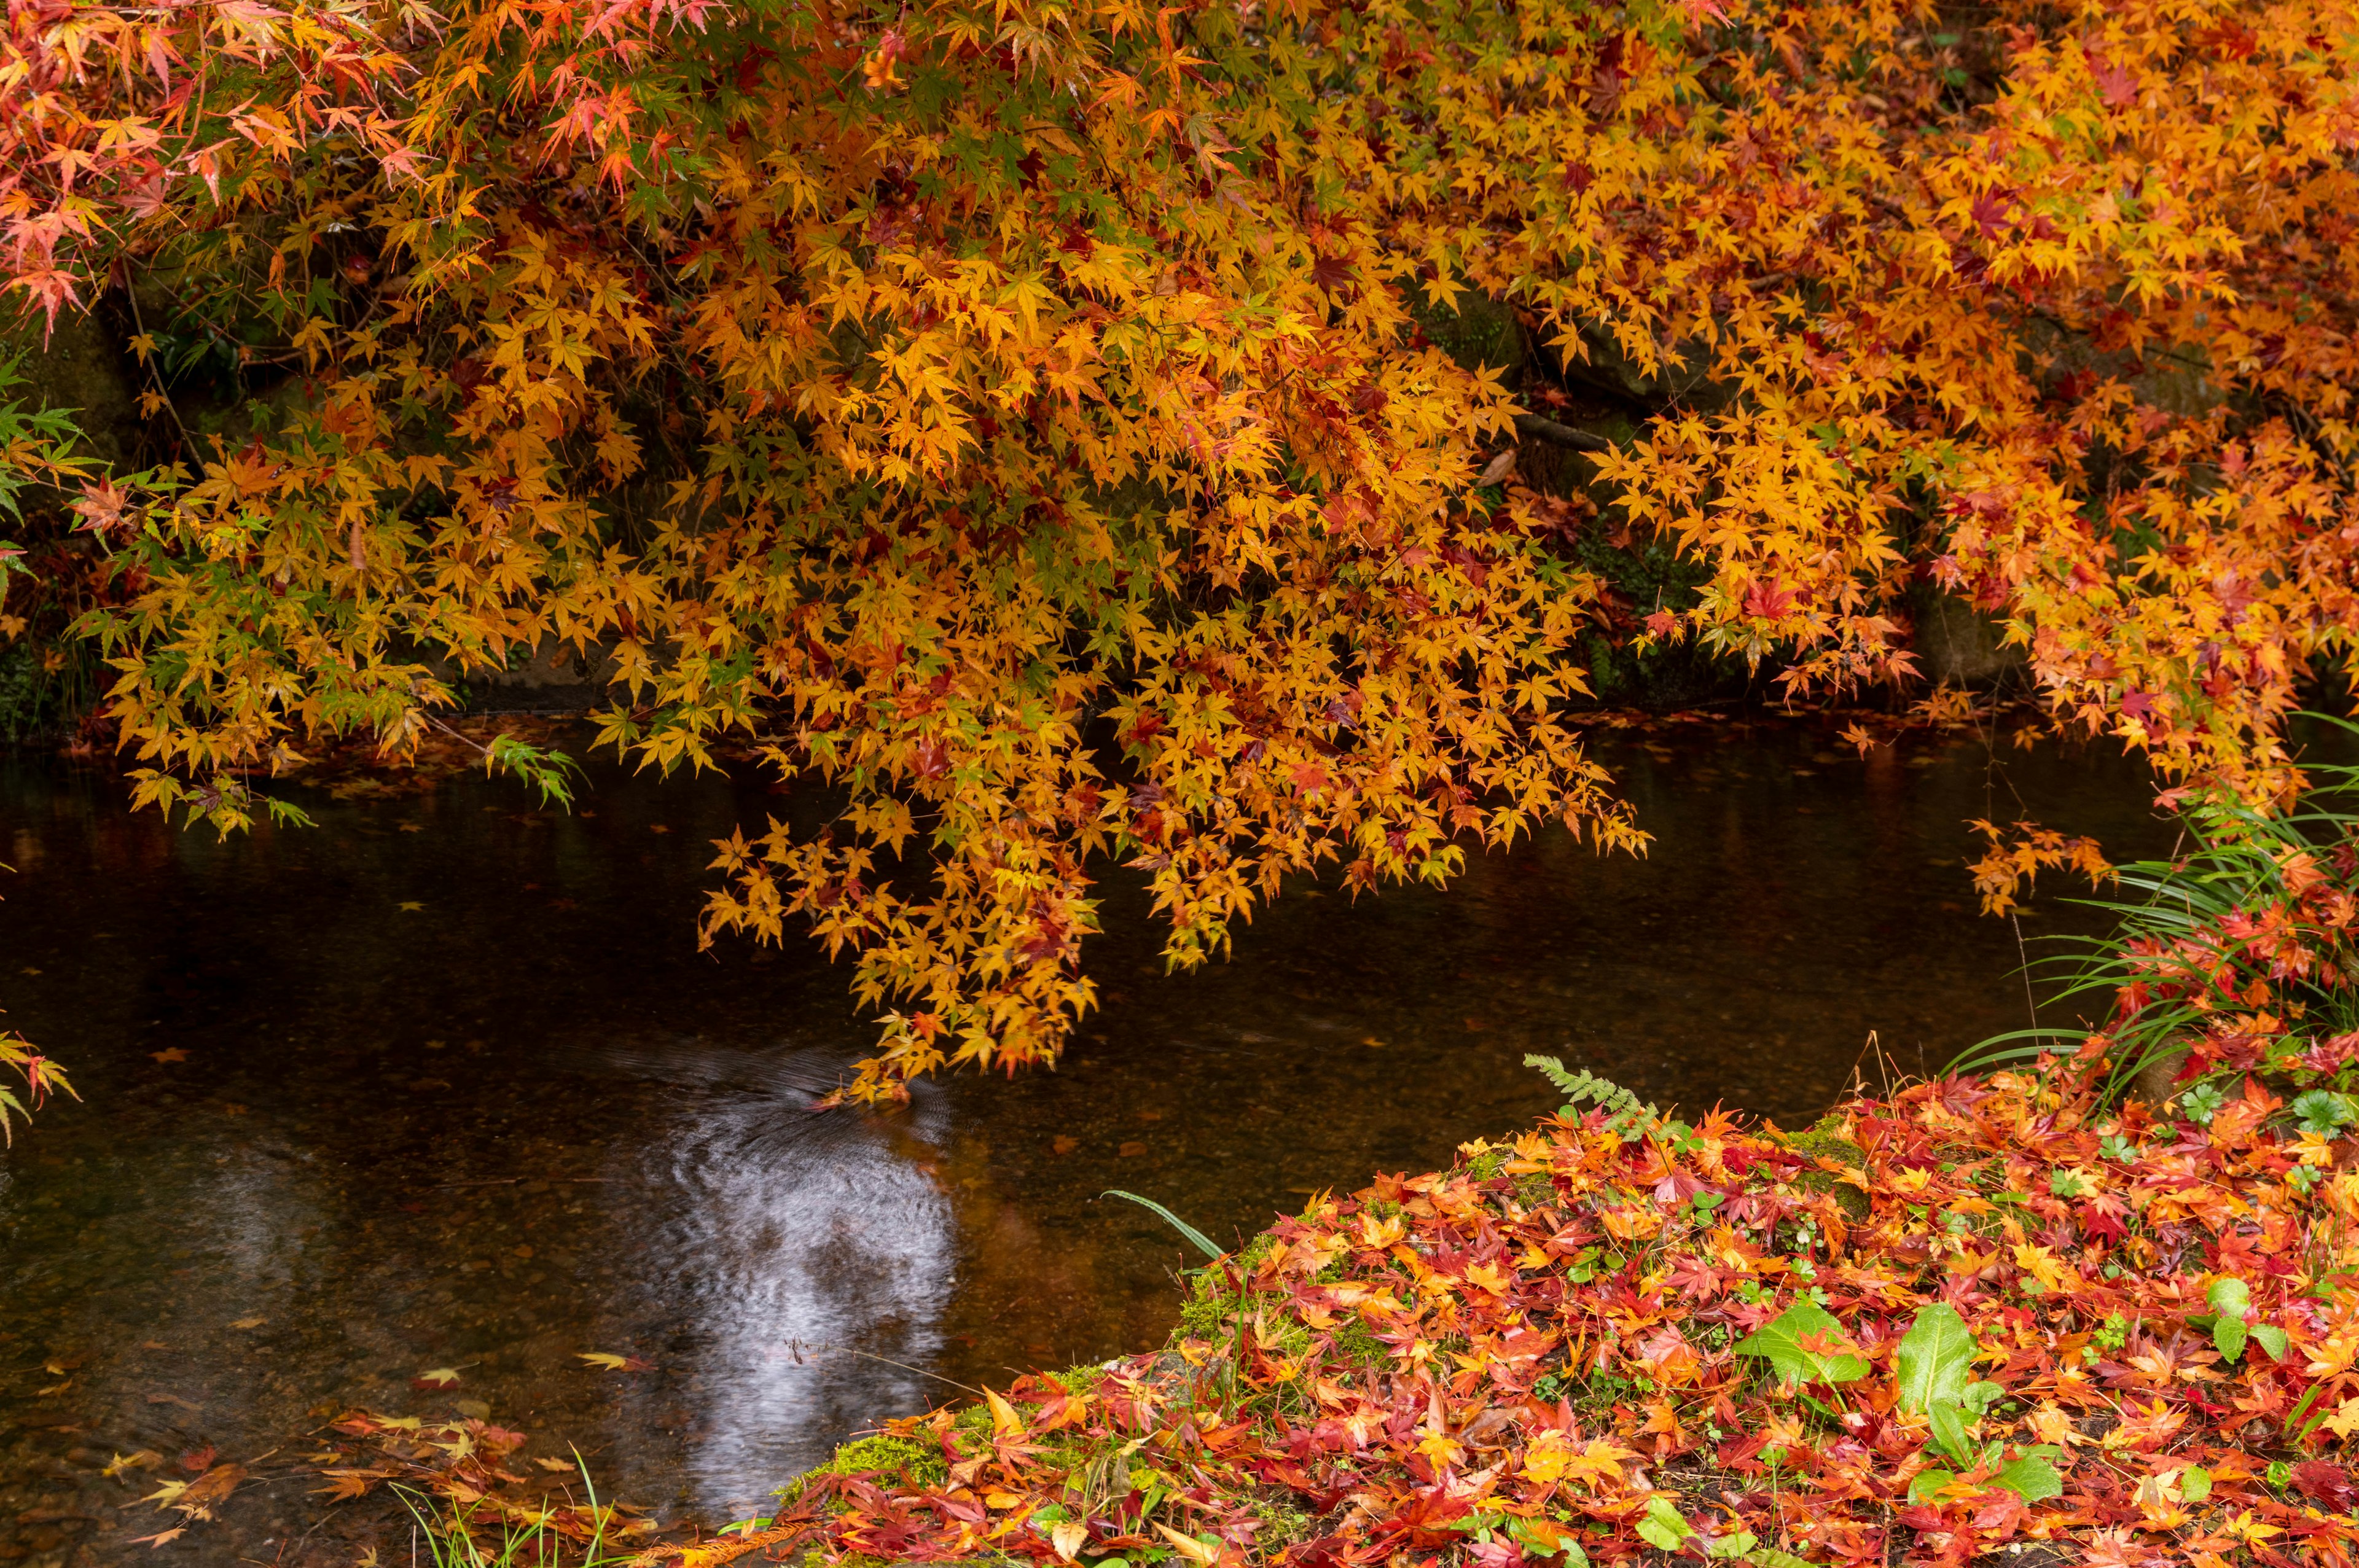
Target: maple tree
{"type": "Point", "coordinates": [1018, 418]}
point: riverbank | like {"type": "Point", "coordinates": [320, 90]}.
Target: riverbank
{"type": "Point", "coordinates": [1969, 1318]}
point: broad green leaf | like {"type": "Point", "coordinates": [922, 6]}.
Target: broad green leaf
{"type": "Point", "coordinates": [1936, 1358]}
{"type": "Point", "coordinates": [2228, 1335]}
{"type": "Point", "coordinates": [2269, 1337]}
{"type": "Point", "coordinates": [2032, 1478]}
{"type": "Point", "coordinates": [1925, 1483]}
{"type": "Point", "coordinates": [1770, 1557]}
{"type": "Point", "coordinates": [1780, 1343]}
{"type": "Point", "coordinates": [1950, 1430]}
{"type": "Point", "coordinates": [1733, 1545]}
{"type": "Point", "coordinates": [2194, 1484]}
{"type": "Point", "coordinates": [1663, 1526]}
{"type": "Point", "coordinates": [2230, 1298]}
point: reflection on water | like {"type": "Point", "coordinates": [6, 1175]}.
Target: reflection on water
{"type": "Point", "coordinates": [821, 1255]}
{"type": "Point", "coordinates": [445, 1085]}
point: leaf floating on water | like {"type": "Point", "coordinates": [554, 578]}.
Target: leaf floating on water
{"type": "Point", "coordinates": [248, 1322]}
{"type": "Point", "coordinates": [611, 1362]}
{"type": "Point", "coordinates": [344, 1485]}
{"type": "Point", "coordinates": [161, 1538]}
{"type": "Point", "coordinates": [439, 1378]}
{"type": "Point", "coordinates": [209, 1490]}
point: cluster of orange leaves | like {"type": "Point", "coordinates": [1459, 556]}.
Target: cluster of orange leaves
{"type": "Point", "coordinates": [2014, 858]}
{"type": "Point", "coordinates": [1015, 415]}
{"type": "Point", "coordinates": [1518, 1361]}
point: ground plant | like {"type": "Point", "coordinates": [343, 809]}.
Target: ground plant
{"type": "Point", "coordinates": [2235, 955]}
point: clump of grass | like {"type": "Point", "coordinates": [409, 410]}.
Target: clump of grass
{"type": "Point", "coordinates": [2237, 954]}
{"type": "Point", "coordinates": [449, 1532]}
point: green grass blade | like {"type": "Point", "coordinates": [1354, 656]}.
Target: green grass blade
{"type": "Point", "coordinates": [1202, 1242]}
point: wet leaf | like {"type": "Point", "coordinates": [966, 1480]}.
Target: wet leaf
{"type": "Point", "coordinates": [2032, 1478]}
{"type": "Point", "coordinates": [1806, 1343]}
{"type": "Point", "coordinates": [1936, 1358]}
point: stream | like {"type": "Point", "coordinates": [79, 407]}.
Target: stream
{"type": "Point", "coordinates": [444, 1082]}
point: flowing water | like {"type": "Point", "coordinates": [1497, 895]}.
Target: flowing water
{"type": "Point", "coordinates": [445, 1084]}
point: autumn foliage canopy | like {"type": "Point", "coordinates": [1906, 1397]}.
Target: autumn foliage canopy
{"type": "Point", "coordinates": [1021, 418]}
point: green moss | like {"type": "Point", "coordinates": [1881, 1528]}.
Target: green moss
{"type": "Point", "coordinates": [1355, 1341]}
{"type": "Point", "coordinates": [920, 1461]}
{"type": "Point", "coordinates": [1489, 1163]}
{"type": "Point", "coordinates": [1204, 1318]}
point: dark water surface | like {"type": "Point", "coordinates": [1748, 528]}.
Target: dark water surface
{"type": "Point", "coordinates": [445, 1084]}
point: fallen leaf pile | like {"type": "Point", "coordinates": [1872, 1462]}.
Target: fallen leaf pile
{"type": "Point", "coordinates": [1974, 1317]}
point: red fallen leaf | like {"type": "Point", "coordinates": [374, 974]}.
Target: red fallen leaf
{"type": "Point", "coordinates": [197, 1461]}
{"type": "Point", "coordinates": [2324, 1483]}
{"type": "Point", "coordinates": [1662, 623]}
{"type": "Point", "coordinates": [1308, 776]}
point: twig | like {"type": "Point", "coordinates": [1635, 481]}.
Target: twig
{"type": "Point", "coordinates": [1539, 428]}
{"type": "Point", "coordinates": [888, 1361]}
{"type": "Point", "coordinates": [481, 750]}
{"type": "Point", "coordinates": [2022, 953]}
{"type": "Point", "coordinates": [506, 1181]}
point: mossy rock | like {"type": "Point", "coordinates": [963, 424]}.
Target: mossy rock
{"type": "Point", "coordinates": [920, 1461]}
{"type": "Point", "coordinates": [1822, 1143]}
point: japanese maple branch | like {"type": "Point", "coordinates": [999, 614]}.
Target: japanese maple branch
{"type": "Point", "coordinates": [1538, 427]}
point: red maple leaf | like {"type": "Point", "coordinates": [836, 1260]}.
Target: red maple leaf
{"type": "Point", "coordinates": [1332, 273]}
{"type": "Point", "coordinates": [1768, 601]}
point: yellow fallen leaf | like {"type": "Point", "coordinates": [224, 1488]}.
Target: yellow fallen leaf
{"type": "Point", "coordinates": [143, 1459]}
{"type": "Point", "coordinates": [441, 1377]}
{"type": "Point", "coordinates": [161, 1539]}
{"type": "Point", "coordinates": [555, 1466]}
{"type": "Point", "coordinates": [605, 1359]}
{"type": "Point", "coordinates": [249, 1323]}
{"type": "Point", "coordinates": [1188, 1546]}
{"type": "Point", "coordinates": [1068, 1536]}
{"type": "Point", "coordinates": [1005, 1421]}
{"type": "Point", "coordinates": [1548, 1458]}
